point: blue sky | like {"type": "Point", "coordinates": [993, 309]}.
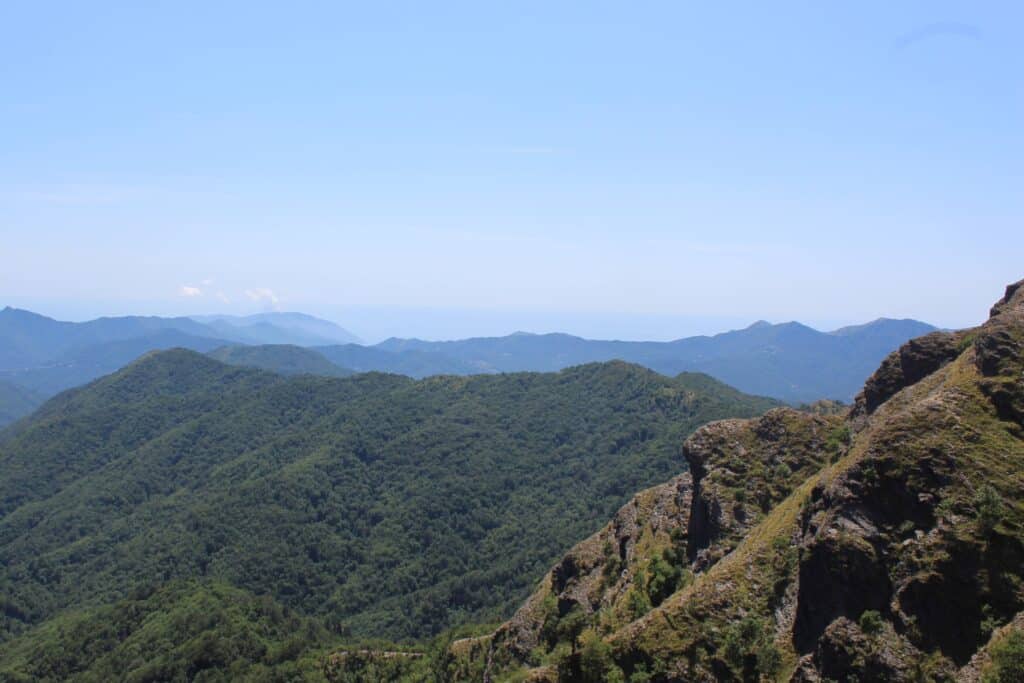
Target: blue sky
{"type": "Point", "coordinates": [442, 169]}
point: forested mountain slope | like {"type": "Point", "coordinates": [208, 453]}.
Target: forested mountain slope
{"type": "Point", "coordinates": [789, 361]}
{"type": "Point", "coordinates": [284, 359]}
{"type": "Point", "coordinates": [884, 545]}
{"type": "Point", "coordinates": [374, 505]}
{"type": "Point", "coordinates": [28, 339]}
{"type": "Point", "coordinates": [15, 402]}
{"type": "Point", "coordinates": [47, 356]}
{"type": "Point", "coordinates": [81, 365]}
{"type": "Point", "coordinates": [412, 362]}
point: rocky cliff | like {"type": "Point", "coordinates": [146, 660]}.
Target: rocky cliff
{"type": "Point", "coordinates": [884, 544]}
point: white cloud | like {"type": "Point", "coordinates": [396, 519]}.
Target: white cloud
{"type": "Point", "coordinates": [185, 290]}
{"type": "Point", "coordinates": [223, 297]}
{"type": "Point", "coordinates": [207, 282]}
{"type": "Point", "coordinates": [264, 296]}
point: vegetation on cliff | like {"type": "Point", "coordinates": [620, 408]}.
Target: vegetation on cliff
{"type": "Point", "coordinates": [886, 544]}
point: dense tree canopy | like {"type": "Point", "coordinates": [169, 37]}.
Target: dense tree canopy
{"type": "Point", "coordinates": [375, 505]}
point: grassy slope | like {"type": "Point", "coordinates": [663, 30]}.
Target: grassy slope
{"type": "Point", "coordinates": [943, 428]}
{"type": "Point", "coordinates": [921, 517]}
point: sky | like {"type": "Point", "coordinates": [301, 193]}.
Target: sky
{"type": "Point", "coordinates": [629, 170]}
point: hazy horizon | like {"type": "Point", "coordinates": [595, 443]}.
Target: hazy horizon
{"type": "Point", "coordinates": [615, 172]}
{"type": "Point", "coordinates": [375, 324]}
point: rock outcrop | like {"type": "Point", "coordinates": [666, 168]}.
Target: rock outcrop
{"type": "Point", "coordinates": [742, 468]}
{"type": "Point", "coordinates": [882, 545]}
{"type": "Point", "coordinates": [597, 582]}
{"type": "Point", "coordinates": [908, 365]}
{"type": "Point", "coordinates": [656, 544]}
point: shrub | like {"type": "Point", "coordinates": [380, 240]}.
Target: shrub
{"type": "Point", "coordinates": [871, 622]}
{"type": "Point", "coordinates": [596, 663]}
{"type": "Point", "coordinates": [639, 603]}
{"type": "Point", "coordinates": [640, 674]}
{"type": "Point", "coordinates": [741, 639]}
{"type": "Point", "coordinates": [988, 509]}
{"type": "Point", "coordinates": [838, 439]}
{"type": "Point", "coordinates": [1007, 660]}
{"type": "Point", "coordinates": [769, 660]}
{"type": "Point", "coordinates": [571, 626]}
{"type": "Point", "coordinates": [782, 472]}
{"type": "Point", "coordinates": [748, 649]}
{"type": "Point", "coordinates": [664, 578]}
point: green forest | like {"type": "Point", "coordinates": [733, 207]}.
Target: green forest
{"type": "Point", "coordinates": [255, 507]}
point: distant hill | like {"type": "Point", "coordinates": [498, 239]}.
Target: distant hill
{"type": "Point", "coordinates": [30, 340]}
{"type": "Point", "coordinates": [279, 328]}
{"type": "Point", "coordinates": [283, 359]}
{"type": "Point", "coordinates": [789, 361]}
{"type": "Point", "coordinates": [16, 402]}
{"type": "Point", "coordinates": [412, 362]}
{"type": "Point", "coordinates": [46, 356]}
{"type": "Point", "coordinates": [375, 505]}
{"type": "Point", "coordinates": [80, 365]}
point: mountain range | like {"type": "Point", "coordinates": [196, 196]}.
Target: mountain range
{"type": "Point", "coordinates": [44, 356]}
{"type": "Point", "coordinates": [790, 361]}
{"type": "Point", "coordinates": [278, 328]}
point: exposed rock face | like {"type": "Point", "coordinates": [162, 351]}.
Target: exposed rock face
{"type": "Point", "coordinates": [1012, 303]}
{"type": "Point", "coordinates": [981, 667]}
{"type": "Point", "coordinates": [742, 468]}
{"type": "Point", "coordinates": [999, 354]}
{"type": "Point", "coordinates": [595, 576]}
{"type": "Point", "coordinates": [843, 644]}
{"type": "Point", "coordinates": [839, 575]}
{"type": "Point", "coordinates": [885, 545]}
{"type": "Point", "coordinates": [844, 648]}
{"type": "Point", "coordinates": [875, 536]}
{"type": "Point", "coordinates": [906, 366]}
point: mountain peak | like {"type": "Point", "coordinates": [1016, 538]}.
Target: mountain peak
{"type": "Point", "coordinates": [1012, 302]}
{"type": "Point", "coordinates": [905, 327]}
{"type": "Point", "coordinates": [22, 313]}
